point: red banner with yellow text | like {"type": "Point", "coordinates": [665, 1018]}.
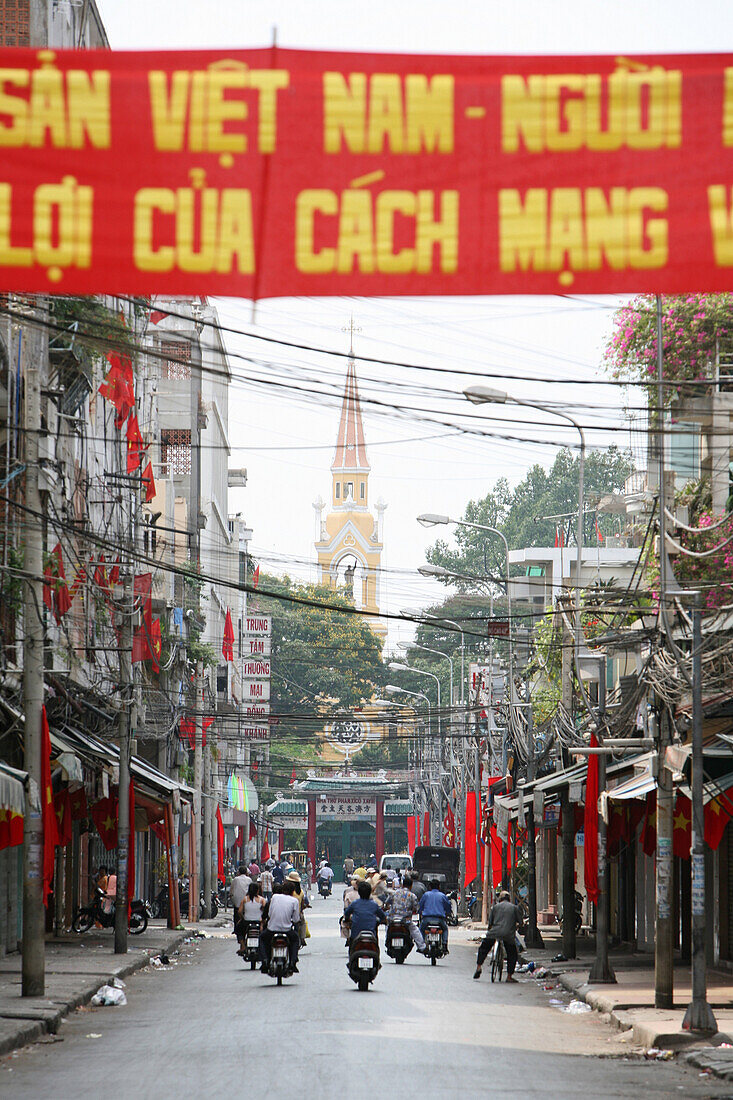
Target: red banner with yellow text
{"type": "Point", "coordinates": [273, 172]}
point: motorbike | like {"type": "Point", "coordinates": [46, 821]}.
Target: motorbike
{"type": "Point", "coordinates": [252, 943]}
{"type": "Point", "coordinates": [578, 912]}
{"type": "Point", "coordinates": [278, 964]}
{"type": "Point", "coordinates": [453, 898]}
{"type": "Point", "coordinates": [363, 961]}
{"type": "Point", "coordinates": [434, 949]}
{"type": "Point", "coordinates": [87, 916]}
{"type": "Point", "coordinates": [324, 887]}
{"type": "Point", "coordinates": [398, 941]}
{"type": "Point", "coordinates": [184, 895]}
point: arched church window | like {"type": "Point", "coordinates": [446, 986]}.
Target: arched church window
{"type": "Point", "coordinates": [349, 489]}
{"type": "Point", "coordinates": [362, 490]}
{"type": "Point", "coordinates": [338, 490]}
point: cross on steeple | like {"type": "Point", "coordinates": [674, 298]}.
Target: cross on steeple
{"type": "Point", "coordinates": [351, 328]}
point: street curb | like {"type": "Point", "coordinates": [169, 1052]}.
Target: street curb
{"type": "Point", "coordinates": [30, 1030]}
{"type": "Point", "coordinates": [644, 1033]}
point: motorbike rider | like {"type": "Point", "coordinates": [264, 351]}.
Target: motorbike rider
{"type": "Point", "coordinates": [351, 893]}
{"type": "Point", "coordinates": [505, 919]}
{"type": "Point", "coordinates": [372, 865]}
{"type": "Point", "coordinates": [363, 915]}
{"type": "Point", "coordinates": [434, 905]}
{"type": "Point", "coordinates": [249, 912]}
{"type": "Point", "coordinates": [402, 906]}
{"type": "Point", "coordinates": [240, 886]}
{"type": "Point", "coordinates": [348, 868]}
{"type": "Point", "coordinates": [325, 874]}
{"type": "Point", "coordinates": [303, 902]}
{"type": "Point", "coordinates": [281, 914]}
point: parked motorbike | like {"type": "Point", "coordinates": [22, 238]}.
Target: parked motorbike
{"type": "Point", "coordinates": [434, 949]}
{"type": "Point", "coordinates": [578, 912]}
{"type": "Point", "coordinates": [252, 943]}
{"type": "Point", "coordinates": [453, 899]}
{"type": "Point", "coordinates": [160, 905]}
{"type": "Point", "coordinates": [278, 964]}
{"type": "Point", "coordinates": [88, 915]}
{"type": "Point", "coordinates": [363, 963]}
{"type": "Point", "coordinates": [398, 941]}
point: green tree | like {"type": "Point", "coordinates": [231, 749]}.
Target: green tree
{"type": "Point", "coordinates": [480, 555]}
{"type": "Point", "coordinates": [325, 659]}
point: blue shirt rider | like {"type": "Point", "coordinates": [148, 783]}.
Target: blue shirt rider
{"type": "Point", "coordinates": [436, 907]}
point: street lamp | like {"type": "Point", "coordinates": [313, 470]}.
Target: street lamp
{"type": "Point", "coordinates": [461, 755]}
{"type": "Point", "coordinates": [430, 519]}
{"type": "Point", "coordinates": [401, 667]}
{"type": "Point", "coordinates": [482, 395]}
{"type": "Point", "coordinates": [393, 689]}
{"type": "Point", "coordinates": [437, 653]}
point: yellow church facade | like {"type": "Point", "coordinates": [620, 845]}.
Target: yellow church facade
{"type": "Point", "coordinates": [349, 536]}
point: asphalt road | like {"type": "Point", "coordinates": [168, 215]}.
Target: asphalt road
{"type": "Point", "coordinates": [209, 1026]}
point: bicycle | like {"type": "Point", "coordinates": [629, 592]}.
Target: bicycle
{"type": "Point", "coordinates": [497, 957]}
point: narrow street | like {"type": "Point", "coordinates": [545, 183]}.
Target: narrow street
{"type": "Point", "coordinates": [209, 1023]}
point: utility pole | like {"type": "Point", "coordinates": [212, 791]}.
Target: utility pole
{"type": "Point", "coordinates": [206, 846]}
{"type": "Point", "coordinates": [487, 878]}
{"type": "Point", "coordinates": [568, 811]}
{"type": "Point", "coordinates": [194, 509]}
{"type": "Point", "coordinates": [699, 1015]}
{"type": "Point", "coordinates": [193, 878]}
{"type": "Point", "coordinates": [664, 932]}
{"type": "Point", "coordinates": [601, 971]}
{"type": "Point", "coordinates": [34, 356]}
{"type": "Point", "coordinates": [123, 799]}
{"type": "Point", "coordinates": [34, 352]}
{"type": "Point", "coordinates": [534, 936]}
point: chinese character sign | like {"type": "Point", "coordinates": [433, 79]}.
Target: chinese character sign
{"type": "Point", "coordinates": [279, 172]}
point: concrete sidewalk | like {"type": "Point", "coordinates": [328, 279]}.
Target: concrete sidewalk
{"type": "Point", "coordinates": [629, 1004]}
{"type": "Point", "coordinates": [76, 966]}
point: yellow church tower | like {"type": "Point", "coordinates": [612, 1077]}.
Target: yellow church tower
{"type": "Point", "coordinates": [349, 541]}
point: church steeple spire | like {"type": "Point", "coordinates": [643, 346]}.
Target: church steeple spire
{"type": "Point", "coordinates": [350, 454]}
{"type": "Point", "coordinates": [349, 541]}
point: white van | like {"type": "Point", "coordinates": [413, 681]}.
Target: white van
{"type": "Point", "coordinates": [395, 864]}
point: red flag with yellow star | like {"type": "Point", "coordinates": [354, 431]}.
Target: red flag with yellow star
{"type": "Point", "coordinates": [449, 829]}
{"type": "Point", "coordinates": [11, 828]}
{"type": "Point", "coordinates": [48, 816]}
{"type": "Point", "coordinates": [78, 803]}
{"type": "Point", "coordinates": [104, 816]}
{"type": "Point", "coordinates": [718, 813]}
{"type": "Point", "coordinates": [156, 645]}
{"type": "Point", "coordinates": [682, 827]}
{"type": "Point", "coordinates": [62, 809]}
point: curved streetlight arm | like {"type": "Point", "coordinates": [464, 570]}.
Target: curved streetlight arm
{"type": "Point", "coordinates": [444, 657]}
{"type": "Point", "coordinates": [452, 622]}
{"type": "Point", "coordinates": [581, 502]}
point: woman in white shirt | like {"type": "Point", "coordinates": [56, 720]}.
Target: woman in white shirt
{"type": "Point", "coordinates": [249, 912]}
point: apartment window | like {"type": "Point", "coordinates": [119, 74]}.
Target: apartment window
{"type": "Point", "coordinates": [338, 490]}
{"type": "Point", "coordinates": [176, 360]}
{"type": "Point", "coordinates": [684, 451]}
{"type": "Point", "coordinates": [175, 451]}
{"type": "Point", "coordinates": [14, 22]}
{"type": "Point", "coordinates": [362, 490]}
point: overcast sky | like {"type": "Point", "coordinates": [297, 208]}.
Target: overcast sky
{"type": "Point", "coordinates": [282, 436]}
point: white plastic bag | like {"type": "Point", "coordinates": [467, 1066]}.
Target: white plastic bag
{"type": "Point", "coordinates": [575, 1008]}
{"type": "Point", "coordinates": [109, 995]}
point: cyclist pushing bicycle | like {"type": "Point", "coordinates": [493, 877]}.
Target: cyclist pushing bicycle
{"type": "Point", "coordinates": [505, 919]}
